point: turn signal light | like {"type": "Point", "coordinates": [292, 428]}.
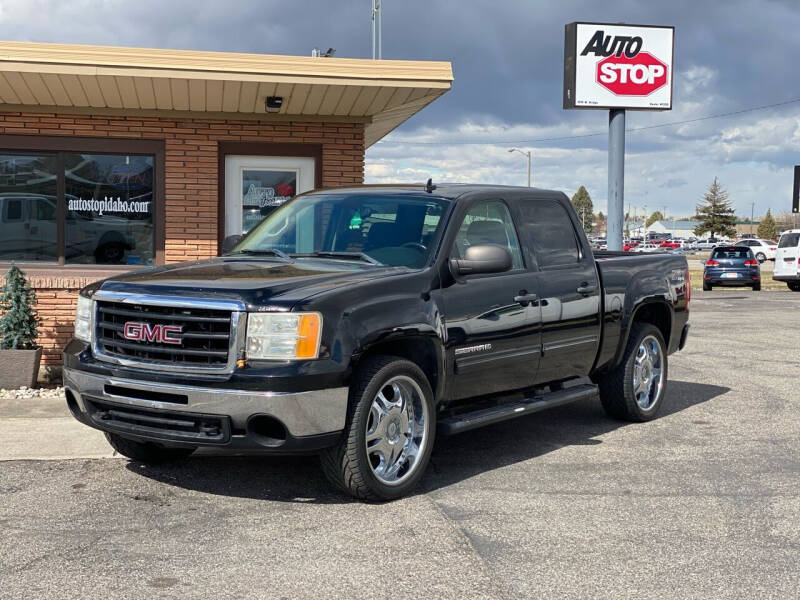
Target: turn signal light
{"type": "Point", "coordinates": [308, 335]}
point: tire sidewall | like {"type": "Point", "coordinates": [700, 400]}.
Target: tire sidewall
{"type": "Point", "coordinates": [361, 410]}
{"type": "Point", "coordinates": [644, 330]}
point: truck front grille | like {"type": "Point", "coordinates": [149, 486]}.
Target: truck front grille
{"type": "Point", "coordinates": [204, 334]}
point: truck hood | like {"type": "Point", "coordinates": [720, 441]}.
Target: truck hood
{"type": "Point", "coordinates": [256, 281]}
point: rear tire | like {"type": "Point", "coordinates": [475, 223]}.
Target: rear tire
{"type": "Point", "coordinates": [634, 391]}
{"type": "Point", "coordinates": [707, 287]}
{"type": "Point", "coordinates": [390, 430]}
{"type": "Point", "coordinates": [761, 257]}
{"type": "Point", "coordinates": [757, 287]}
{"type": "Point", "coordinates": [147, 452]}
{"type": "Point", "coordinates": [794, 285]}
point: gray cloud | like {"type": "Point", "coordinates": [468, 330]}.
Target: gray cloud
{"type": "Point", "coordinates": [507, 58]}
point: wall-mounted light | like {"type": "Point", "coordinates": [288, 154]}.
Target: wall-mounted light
{"type": "Point", "coordinates": [273, 104]}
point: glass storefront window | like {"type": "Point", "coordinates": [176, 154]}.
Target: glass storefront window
{"type": "Point", "coordinates": [28, 207]}
{"type": "Point", "coordinates": [262, 192]}
{"type": "Point", "coordinates": [108, 208]}
{"type": "Point", "coordinates": [109, 202]}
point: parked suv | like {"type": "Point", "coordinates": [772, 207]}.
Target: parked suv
{"type": "Point", "coordinates": [732, 266]}
{"type": "Point", "coordinates": [360, 322]}
{"type": "Point", "coordinates": [787, 259]}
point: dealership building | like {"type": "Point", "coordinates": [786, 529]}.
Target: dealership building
{"type": "Point", "coordinates": [116, 158]}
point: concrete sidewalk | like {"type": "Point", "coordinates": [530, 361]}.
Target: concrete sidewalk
{"type": "Point", "coordinates": [43, 429]}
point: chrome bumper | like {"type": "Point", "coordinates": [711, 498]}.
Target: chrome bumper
{"type": "Point", "coordinates": [303, 414]}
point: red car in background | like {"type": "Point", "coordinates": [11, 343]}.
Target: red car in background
{"type": "Point", "coordinates": [669, 244]}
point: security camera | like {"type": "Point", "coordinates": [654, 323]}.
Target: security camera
{"type": "Point", "coordinates": [273, 104]}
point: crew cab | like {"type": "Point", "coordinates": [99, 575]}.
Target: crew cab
{"type": "Point", "coordinates": [360, 323]}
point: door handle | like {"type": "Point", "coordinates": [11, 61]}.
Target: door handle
{"type": "Point", "coordinates": [586, 289]}
{"type": "Point", "coordinates": [524, 299]}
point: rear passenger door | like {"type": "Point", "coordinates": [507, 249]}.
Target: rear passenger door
{"type": "Point", "coordinates": [569, 289]}
{"type": "Point", "coordinates": [493, 341]}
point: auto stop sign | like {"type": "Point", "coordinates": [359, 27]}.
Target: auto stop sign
{"type": "Point", "coordinates": [618, 66]}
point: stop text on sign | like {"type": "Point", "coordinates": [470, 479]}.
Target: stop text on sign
{"type": "Point", "coordinates": [618, 66]}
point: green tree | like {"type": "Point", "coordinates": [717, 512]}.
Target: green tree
{"type": "Point", "coordinates": [656, 216]}
{"type": "Point", "coordinates": [768, 229]}
{"type": "Point", "coordinates": [19, 326]}
{"type": "Point", "coordinates": [716, 215]}
{"type": "Point", "coordinates": [583, 206]}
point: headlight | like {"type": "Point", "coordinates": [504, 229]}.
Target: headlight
{"type": "Point", "coordinates": [283, 336]}
{"type": "Point", "coordinates": [84, 319]}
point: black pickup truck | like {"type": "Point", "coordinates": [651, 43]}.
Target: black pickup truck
{"type": "Point", "coordinates": [359, 323]}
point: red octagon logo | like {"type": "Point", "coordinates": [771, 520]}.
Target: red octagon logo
{"type": "Point", "coordinates": [638, 76]}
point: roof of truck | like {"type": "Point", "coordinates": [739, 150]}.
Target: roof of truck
{"type": "Point", "coordinates": [442, 190]}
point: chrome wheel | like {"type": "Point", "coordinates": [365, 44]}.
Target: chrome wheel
{"type": "Point", "coordinates": [397, 430]}
{"type": "Point", "coordinates": [648, 372]}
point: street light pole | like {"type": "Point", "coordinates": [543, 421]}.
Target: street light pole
{"type": "Point", "coordinates": [528, 154]}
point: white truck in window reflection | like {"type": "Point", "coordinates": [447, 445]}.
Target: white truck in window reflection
{"type": "Point", "coordinates": [29, 231]}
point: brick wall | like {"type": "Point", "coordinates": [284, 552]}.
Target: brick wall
{"type": "Point", "coordinates": [191, 165]}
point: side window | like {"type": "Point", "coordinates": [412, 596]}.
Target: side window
{"type": "Point", "coordinates": [488, 223]}
{"type": "Point", "coordinates": [549, 228]}
{"type": "Point", "coordinates": [13, 210]}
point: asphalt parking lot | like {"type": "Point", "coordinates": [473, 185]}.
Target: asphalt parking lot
{"type": "Point", "coordinates": [703, 502]}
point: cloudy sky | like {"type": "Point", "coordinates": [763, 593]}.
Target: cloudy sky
{"type": "Point", "coordinates": [507, 58]}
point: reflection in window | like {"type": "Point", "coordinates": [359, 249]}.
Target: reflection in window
{"type": "Point", "coordinates": [488, 223]}
{"type": "Point", "coordinates": [109, 202]}
{"type": "Point", "coordinates": [28, 208]}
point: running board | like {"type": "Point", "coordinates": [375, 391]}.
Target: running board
{"type": "Point", "coordinates": [496, 414]}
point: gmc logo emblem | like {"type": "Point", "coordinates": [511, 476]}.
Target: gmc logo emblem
{"type": "Point", "coordinates": [145, 332]}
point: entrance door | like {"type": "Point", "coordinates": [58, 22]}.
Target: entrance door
{"type": "Point", "coordinates": [256, 185]}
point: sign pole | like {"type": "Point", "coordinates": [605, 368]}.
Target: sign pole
{"type": "Point", "coordinates": [616, 178]}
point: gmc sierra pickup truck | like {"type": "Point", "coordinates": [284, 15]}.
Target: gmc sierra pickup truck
{"type": "Point", "coordinates": [359, 323]}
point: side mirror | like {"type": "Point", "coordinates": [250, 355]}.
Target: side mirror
{"type": "Point", "coordinates": [230, 242]}
{"type": "Point", "coordinates": [482, 258]}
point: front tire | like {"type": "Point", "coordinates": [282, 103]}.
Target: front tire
{"type": "Point", "coordinates": [147, 452]}
{"type": "Point", "coordinates": [794, 285]}
{"type": "Point", "coordinates": [634, 391]}
{"type": "Point", "coordinates": [389, 434]}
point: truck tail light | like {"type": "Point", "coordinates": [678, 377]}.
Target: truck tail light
{"type": "Point", "coordinates": [750, 263]}
{"type": "Point", "coordinates": [688, 288]}
{"type": "Point", "coordinates": [712, 263]}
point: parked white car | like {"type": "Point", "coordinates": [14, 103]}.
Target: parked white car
{"type": "Point", "coordinates": [762, 249]}
{"type": "Point", "coordinates": [787, 259]}
{"type": "Point", "coordinates": [649, 247]}
{"type": "Point", "coordinates": [707, 243]}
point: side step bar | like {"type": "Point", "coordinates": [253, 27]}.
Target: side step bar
{"type": "Point", "coordinates": [496, 414]}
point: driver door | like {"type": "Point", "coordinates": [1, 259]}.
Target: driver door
{"type": "Point", "coordinates": [493, 340]}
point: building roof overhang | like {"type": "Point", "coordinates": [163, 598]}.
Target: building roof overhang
{"type": "Point", "coordinates": [382, 94]}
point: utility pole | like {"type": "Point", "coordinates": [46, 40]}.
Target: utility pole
{"type": "Point", "coordinates": [377, 27]}
{"type": "Point", "coordinates": [528, 154]}
{"type": "Point", "coordinates": [752, 212]}
{"type": "Point", "coordinates": [616, 177]}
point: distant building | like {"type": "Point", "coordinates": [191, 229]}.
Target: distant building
{"type": "Point", "coordinates": [678, 229]}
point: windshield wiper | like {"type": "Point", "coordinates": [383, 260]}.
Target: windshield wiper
{"type": "Point", "coordinates": [262, 252]}
{"type": "Point", "coordinates": [339, 255]}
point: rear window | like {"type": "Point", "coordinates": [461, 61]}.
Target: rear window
{"type": "Point", "coordinates": [732, 252]}
{"type": "Point", "coordinates": [789, 240]}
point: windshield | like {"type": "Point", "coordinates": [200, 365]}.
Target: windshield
{"type": "Point", "coordinates": [392, 230]}
{"type": "Point", "coordinates": [732, 252]}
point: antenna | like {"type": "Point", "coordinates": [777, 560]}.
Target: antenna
{"type": "Point", "coordinates": [377, 27]}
